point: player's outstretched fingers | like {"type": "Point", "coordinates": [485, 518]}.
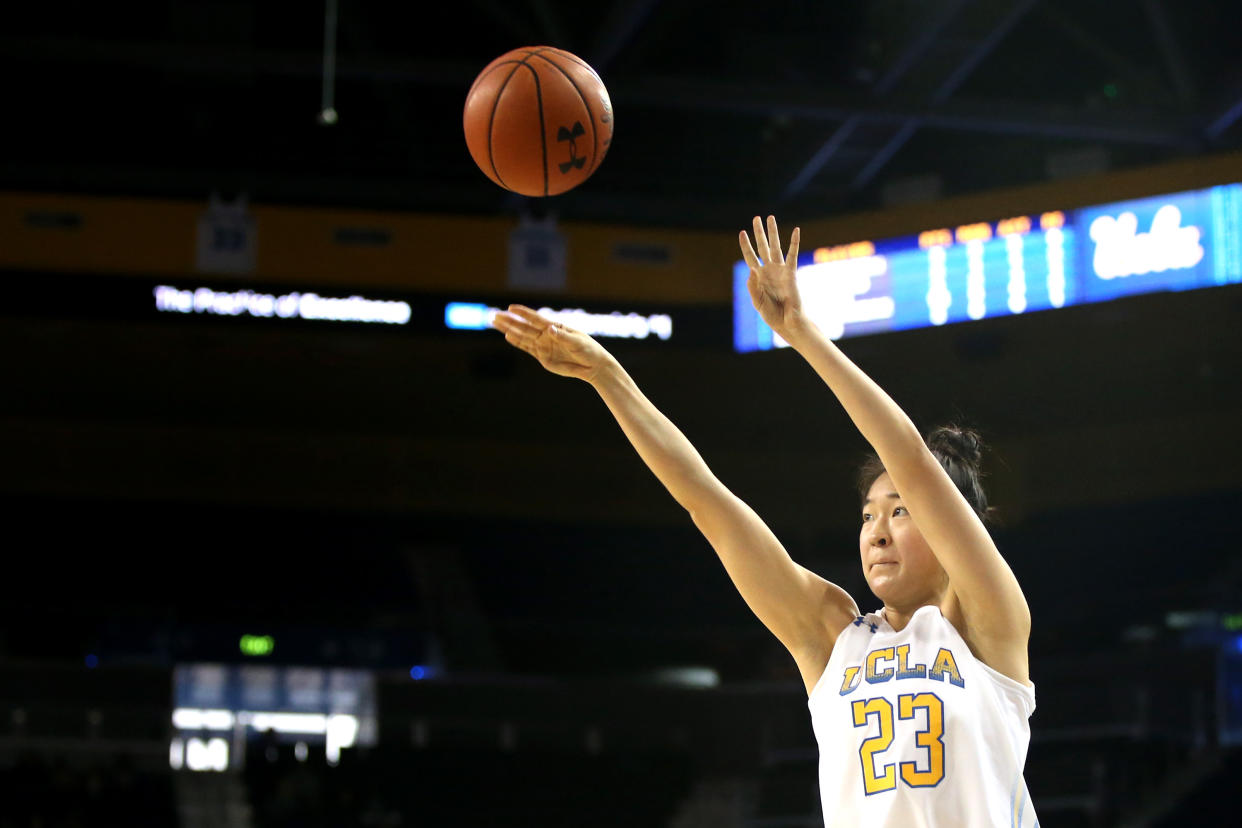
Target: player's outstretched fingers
{"type": "Point", "coordinates": [506, 323]}
{"type": "Point", "coordinates": [530, 317]}
{"type": "Point", "coordinates": [761, 241]}
{"type": "Point", "coordinates": [774, 241]}
{"type": "Point", "coordinates": [517, 331]}
{"type": "Point", "coordinates": [748, 251]}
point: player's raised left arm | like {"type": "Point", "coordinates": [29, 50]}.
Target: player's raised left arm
{"type": "Point", "coordinates": [986, 588]}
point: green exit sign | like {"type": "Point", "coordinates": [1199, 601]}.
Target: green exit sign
{"type": "Point", "coordinates": [257, 645]}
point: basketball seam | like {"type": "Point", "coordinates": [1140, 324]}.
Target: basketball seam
{"type": "Point", "coordinates": [590, 114]}
{"type": "Point", "coordinates": [491, 67]}
{"type": "Point", "coordinates": [570, 56]}
{"type": "Point", "coordinates": [543, 130]}
{"type": "Point", "coordinates": [491, 123]}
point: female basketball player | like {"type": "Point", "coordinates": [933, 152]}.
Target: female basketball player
{"type": "Point", "coordinates": [920, 709]}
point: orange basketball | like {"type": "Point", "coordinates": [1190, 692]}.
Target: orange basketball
{"type": "Point", "coordinates": [538, 121]}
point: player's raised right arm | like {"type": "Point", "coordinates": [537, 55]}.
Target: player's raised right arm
{"type": "Point", "coordinates": [804, 611]}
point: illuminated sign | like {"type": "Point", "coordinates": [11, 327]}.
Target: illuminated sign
{"type": "Point", "coordinates": [471, 316]}
{"type": "Point", "coordinates": [335, 708]}
{"type": "Point", "coordinates": [169, 299]}
{"type": "Point", "coordinates": [1179, 241]}
{"type": "Point", "coordinates": [256, 645]}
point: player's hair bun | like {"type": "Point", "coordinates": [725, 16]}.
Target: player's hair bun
{"type": "Point", "coordinates": [960, 452]}
{"type": "Point", "coordinates": [961, 444]}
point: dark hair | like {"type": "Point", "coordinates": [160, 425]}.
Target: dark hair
{"type": "Point", "coordinates": [960, 452]}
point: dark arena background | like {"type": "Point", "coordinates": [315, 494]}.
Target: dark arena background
{"type": "Point", "coordinates": [291, 539]}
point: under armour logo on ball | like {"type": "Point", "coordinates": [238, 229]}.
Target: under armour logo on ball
{"type": "Point", "coordinates": [571, 135]}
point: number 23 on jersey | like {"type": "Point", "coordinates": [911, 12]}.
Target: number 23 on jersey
{"type": "Point", "coordinates": [929, 737]}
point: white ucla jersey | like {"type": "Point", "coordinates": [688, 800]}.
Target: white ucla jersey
{"type": "Point", "coordinates": [915, 732]}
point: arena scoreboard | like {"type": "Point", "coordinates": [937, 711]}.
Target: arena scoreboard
{"type": "Point", "coordinates": [1015, 265]}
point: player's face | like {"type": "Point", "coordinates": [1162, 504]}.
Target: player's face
{"type": "Point", "coordinates": [897, 562]}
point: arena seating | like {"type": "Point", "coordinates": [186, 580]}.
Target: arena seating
{"type": "Point", "coordinates": [101, 790]}
{"type": "Point", "coordinates": [469, 787]}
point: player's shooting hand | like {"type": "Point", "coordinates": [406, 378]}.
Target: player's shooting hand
{"type": "Point", "coordinates": [559, 349]}
{"type": "Point", "coordinates": [772, 283]}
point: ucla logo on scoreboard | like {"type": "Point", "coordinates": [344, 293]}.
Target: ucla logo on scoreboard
{"type": "Point", "coordinates": [1121, 250]}
{"type": "Point", "coordinates": [1173, 242]}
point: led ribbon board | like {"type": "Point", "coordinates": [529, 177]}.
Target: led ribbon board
{"type": "Point", "coordinates": [1180, 241]}
{"type": "Point", "coordinates": [170, 299]}
{"type": "Point", "coordinates": [474, 316]}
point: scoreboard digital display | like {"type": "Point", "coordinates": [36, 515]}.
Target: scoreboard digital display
{"type": "Point", "coordinates": [1179, 241]}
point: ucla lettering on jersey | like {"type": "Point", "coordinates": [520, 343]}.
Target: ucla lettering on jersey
{"type": "Point", "coordinates": [889, 663]}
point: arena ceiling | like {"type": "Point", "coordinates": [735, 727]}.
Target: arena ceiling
{"type": "Point", "coordinates": [722, 108]}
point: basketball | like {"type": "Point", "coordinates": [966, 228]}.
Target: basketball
{"type": "Point", "coordinates": [538, 121]}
